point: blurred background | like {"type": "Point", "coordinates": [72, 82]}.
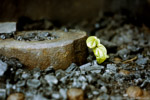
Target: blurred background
{"type": "Point", "coordinates": [65, 11]}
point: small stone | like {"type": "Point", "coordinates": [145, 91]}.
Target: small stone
{"type": "Point", "coordinates": [3, 68]}
{"type": "Point", "coordinates": [37, 75]}
{"type": "Point", "coordinates": [76, 83]}
{"type": "Point", "coordinates": [104, 89]}
{"type": "Point", "coordinates": [72, 67]}
{"type": "Point", "coordinates": [56, 96]}
{"type": "Point", "coordinates": [146, 95]}
{"type": "Point", "coordinates": [96, 71]}
{"type": "Point", "coordinates": [116, 97]}
{"type": "Point", "coordinates": [95, 93]}
{"type": "Point", "coordinates": [104, 97]}
{"type": "Point", "coordinates": [84, 85]}
{"type": "Point", "coordinates": [64, 79]}
{"type": "Point", "coordinates": [145, 83]}
{"type": "Point", "coordinates": [33, 83]}
{"type": "Point", "coordinates": [20, 83]}
{"type": "Point", "coordinates": [63, 93]}
{"type": "Point", "coordinates": [141, 61]}
{"type": "Point", "coordinates": [19, 71]}
{"type": "Point", "coordinates": [123, 53]}
{"type": "Point", "coordinates": [75, 94]}
{"type": "Point", "coordinates": [51, 79]}
{"type": "Point", "coordinates": [117, 60]}
{"type": "Point", "coordinates": [77, 73]}
{"type": "Point", "coordinates": [16, 96]}
{"type": "Point", "coordinates": [83, 67]}
{"type": "Point", "coordinates": [38, 97]}
{"type": "Point", "coordinates": [25, 75]}
{"type": "Point", "coordinates": [82, 78]}
{"type": "Point", "coordinates": [7, 27]}
{"type": "Point", "coordinates": [134, 91]}
{"type": "Point", "coordinates": [111, 67]}
{"type": "Point", "coordinates": [49, 69]}
{"type": "Point", "coordinates": [89, 78]}
{"type": "Point", "coordinates": [2, 94]}
{"type": "Point", "coordinates": [59, 73]}
{"type": "Point", "coordinates": [124, 72]}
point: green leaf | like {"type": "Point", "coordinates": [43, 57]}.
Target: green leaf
{"type": "Point", "coordinates": [92, 42]}
{"type": "Point", "coordinates": [99, 50]}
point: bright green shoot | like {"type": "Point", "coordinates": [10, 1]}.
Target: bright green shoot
{"type": "Point", "coordinates": [99, 50]}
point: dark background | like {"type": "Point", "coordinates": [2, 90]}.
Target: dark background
{"type": "Point", "coordinates": [72, 10]}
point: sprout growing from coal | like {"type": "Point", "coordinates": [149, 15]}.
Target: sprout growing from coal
{"type": "Point", "coordinates": [99, 50]}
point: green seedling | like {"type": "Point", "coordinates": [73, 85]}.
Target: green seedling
{"type": "Point", "coordinates": [99, 50]}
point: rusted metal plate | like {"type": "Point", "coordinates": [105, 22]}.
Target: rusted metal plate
{"type": "Point", "coordinates": [59, 53]}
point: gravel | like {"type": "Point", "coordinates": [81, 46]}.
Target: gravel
{"type": "Point", "coordinates": [3, 68]}
{"type": "Point", "coordinates": [28, 37]}
{"type": "Point", "coordinates": [126, 43]}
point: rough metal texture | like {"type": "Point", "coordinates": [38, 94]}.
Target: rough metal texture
{"type": "Point", "coordinates": [60, 53]}
{"type": "Point", "coordinates": [7, 27]}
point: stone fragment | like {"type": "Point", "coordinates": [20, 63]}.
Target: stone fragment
{"type": "Point", "coordinates": [72, 67]}
{"type": "Point", "coordinates": [146, 95]}
{"type": "Point", "coordinates": [51, 79]}
{"type": "Point", "coordinates": [123, 53]}
{"type": "Point", "coordinates": [75, 94]}
{"type": "Point", "coordinates": [141, 61]}
{"type": "Point", "coordinates": [111, 68]}
{"type": "Point", "coordinates": [124, 72]}
{"type": "Point", "coordinates": [33, 83]}
{"type": "Point", "coordinates": [63, 93]}
{"type": "Point", "coordinates": [16, 96]}
{"type": "Point", "coordinates": [137, 93]}
{"type": "Point", "coordinates": [2, 94]}
{"type": "Point", "coordinates": [7, 27]}
{"type": "Point", "coordinates": [38, 97]}
{"type": "Point", "coordinates": [56, 96]}
{"type": "Point", "coordinates": [69, 47]}
{"type": "Point", "coordinates": [117, 60]}
{"type": "Point", "coordinates": [3, 68]}
{"type": "Point", "coordinates": [134, 91]}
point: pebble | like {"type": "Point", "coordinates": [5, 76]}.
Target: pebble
{"type": "Point", "coordinates": [134, 91]}
{"type": "Point", "coordinates": [75, 94]}
{"type": "Point", "coordinates": [20, 83]}
{"type": "Point", "coordinates": [103, 89]}
{"type": "Point", "coordinates": [49, 69]}
{"type": "Point", "coordinates": [51, 79]}
{"type": "Point", "coordinates": [124, 72]}
{"type": "Point", "coordinates": [7, 27]}
{"type": "Point", "coordinates": [141, 61]}
{"type": "Point", "coordinates": [25, 75]}
{"type": "Point", "coordinates": [2, 94]}
{"type": "Point", "coordinates": [3, 68]}
{"type": "Point", "coordinates": [33, 83]}
{"type": "Point", "coordinates": [56, 96]}
{"type": "Point", "coordinates": [60, 73]}
{"type": "Point", "coordinates": [63, 93]}
{"type": "Point", "coordinates": [72, 67]}
{"type": "Point", "coordinates": [117, 60]}
{"type": "Point", "coordinates": [111, 67]}
{"type": "Point", "coordinates": [123, 53]}
{"type": "Point", "coordinates": [37, 75]}
{"type": "Point", "coordinates": [16, 96]}
{"type": "Point", "coordinates": [82, 78]}
{"type": "Point", "coordinates": [38, 97]}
